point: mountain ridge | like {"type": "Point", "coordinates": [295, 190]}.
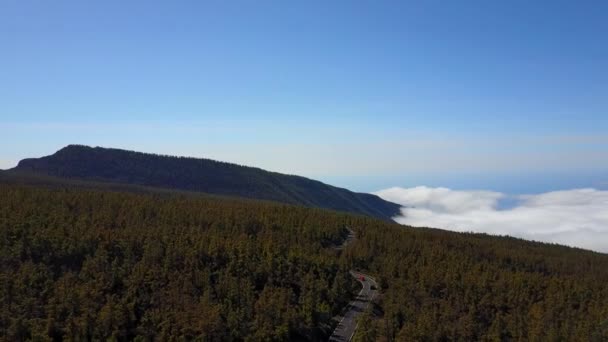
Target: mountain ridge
{"type": "Point", "coordinates": [81, 162]}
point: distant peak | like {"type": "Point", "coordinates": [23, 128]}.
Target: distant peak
{"type": "Point", "coordinates": [74, 147]}
{"type": "Point", "coordinates": [100, 164]}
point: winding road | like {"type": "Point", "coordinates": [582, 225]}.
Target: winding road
{"type": "Point", "coordinates": [345, 330]}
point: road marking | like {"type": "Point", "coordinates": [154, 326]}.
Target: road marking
{"type": "Point", "coordinates": [345, 313]}
{"type": "Point", "coordinates": [357, 275]}
{"type": "Point", "coordinates": [370, 294]}
{"type": "Point", "coordinates": [366, 306]}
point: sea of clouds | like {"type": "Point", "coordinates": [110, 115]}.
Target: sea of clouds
{"type": "Point", "coordinates": [577, 217]}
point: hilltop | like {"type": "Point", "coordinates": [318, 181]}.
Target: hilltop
{"type": "Point", "coordinates": [78, 162]}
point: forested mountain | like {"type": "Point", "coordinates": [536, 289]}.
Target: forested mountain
{"type": "Point", "coordinates": [202, 175]}
{"type": "Point", "coordinates": [89, 264]}
{"type": "Point", "coordinates": [82, 264]}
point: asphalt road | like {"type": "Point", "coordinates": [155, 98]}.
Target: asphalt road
{"type": "Point", "coordinates": [348, 324]}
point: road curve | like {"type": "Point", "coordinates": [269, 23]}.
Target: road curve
{"type": "Point", "coordinates": [349, 238]}
{"type": "Point", "coordinates": [348, 324]}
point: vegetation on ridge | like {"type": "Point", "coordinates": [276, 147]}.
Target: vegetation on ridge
{"type": "Point", "coordinates": [89, 264]}
{"type": "Point", "coordinates": [202, 175]}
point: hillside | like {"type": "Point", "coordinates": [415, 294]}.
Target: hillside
{"type": "Point", "coordinates": [81, 264]}
{"type": "Point", "coordinates": [201, 175]}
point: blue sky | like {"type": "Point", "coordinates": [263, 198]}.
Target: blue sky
{"type": "Point", "coordinates": [510, 96]}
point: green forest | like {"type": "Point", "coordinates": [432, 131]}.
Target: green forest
{"type": "Point", "coordinates": [89, 264]}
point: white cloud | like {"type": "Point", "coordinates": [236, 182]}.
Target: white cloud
{"type": "Point", "coordinates": [576, 217]}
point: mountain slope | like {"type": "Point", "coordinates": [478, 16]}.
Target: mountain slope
{"type": "Point", "coordinates": [202, 175]}
{"type": "Point", "coordinates": [83, 264]}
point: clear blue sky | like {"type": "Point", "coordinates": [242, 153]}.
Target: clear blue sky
{"type": "Point", "coordinates": [506, 95]}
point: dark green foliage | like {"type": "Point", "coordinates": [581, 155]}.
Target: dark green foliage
{"type": "Point", "coordinates": [102, 265]}
{"type": "Point", "coordinates": [440, 285]}
{"type": "Point", "coordinates": [88, 264]}
{"type": "Point", "coordinates": [202, 175]}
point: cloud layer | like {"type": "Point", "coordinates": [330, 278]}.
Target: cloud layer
{"type": "Point", "coordinates": [576, 217]}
